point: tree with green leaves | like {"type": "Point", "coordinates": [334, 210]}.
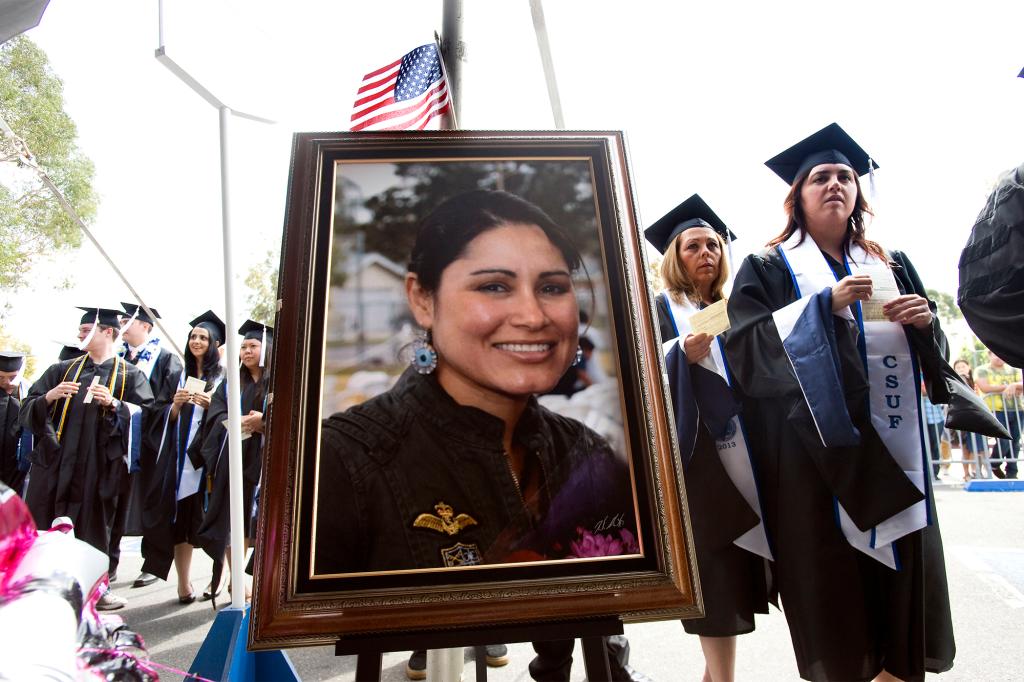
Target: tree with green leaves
{"type": "Point", "coordinates": [262, 282]}
{"type": "Point", "coordinates": [32, 222]}
{"type": "Point", "coordinates": [946, 303]}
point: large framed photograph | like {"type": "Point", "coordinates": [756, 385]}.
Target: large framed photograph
{"type": "Point", "coordinates": [468, 426]}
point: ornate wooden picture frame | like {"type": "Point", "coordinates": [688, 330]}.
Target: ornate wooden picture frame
{"type": "Point", "coordinates": [354, 203]}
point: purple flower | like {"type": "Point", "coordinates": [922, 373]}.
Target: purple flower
{"type": "Point", "coordinates": [590, 544]}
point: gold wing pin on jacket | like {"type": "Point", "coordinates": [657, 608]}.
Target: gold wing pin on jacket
{"type": "Point", "coordinates": [445, 521]}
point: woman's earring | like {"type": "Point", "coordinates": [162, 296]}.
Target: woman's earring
{"type": "Point", "coordinates": [579, 357]}
{"type": "Point", "coordinates": [424, 357]}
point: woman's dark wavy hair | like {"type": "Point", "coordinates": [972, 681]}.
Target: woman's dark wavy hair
{"type": "Point", "coordinates": [443, 235]}
{"type": "Point", "coordinates": [855, 228]}
{"type": "Point", "coordinates": [211, 360]}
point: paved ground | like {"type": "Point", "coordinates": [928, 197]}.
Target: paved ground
{"type": "Point", "coordinates": [984, 545]}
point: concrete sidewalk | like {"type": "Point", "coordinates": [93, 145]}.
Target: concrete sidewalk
{"type": "Point", "coordinates": [984, 544]}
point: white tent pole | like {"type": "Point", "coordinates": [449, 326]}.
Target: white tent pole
{"type": "Point", "coordinates": [234, 394]}
{"type": "Point", "coordinates": [541, 29]}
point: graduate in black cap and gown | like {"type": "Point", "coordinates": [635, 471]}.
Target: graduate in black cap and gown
{"type": "Point", "coordinates": [254, 380]}
{"type": "Point", "coordinates": [831, 335]}
{"type": "Point", "coordinates": [79, 412]}
{"type": "Point", "coordinates": [162, 367]}
{"type": "Point", "coordinates": [12, 391]}
{"type": "Point", "coordinates": [173, 508]}
{"type": "Point", "coordinates": [721, 486]}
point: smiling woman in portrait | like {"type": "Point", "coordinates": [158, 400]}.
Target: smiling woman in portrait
{"type": "Point", "coordinates": [458, 464]}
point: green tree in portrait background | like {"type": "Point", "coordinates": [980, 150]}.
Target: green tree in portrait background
{"type": "Point", "coordinates": [32, 222]}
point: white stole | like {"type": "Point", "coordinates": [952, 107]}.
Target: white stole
{"type": "Point", "coordinates": [732, 450]}
{"type": "Point", "coordinates": [894, 381]}
{"type": "Point", "coordinates": [189, 478]}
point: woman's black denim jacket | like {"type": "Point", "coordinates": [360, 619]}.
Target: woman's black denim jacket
{"type": "Point", "coordinates": [411, 479]}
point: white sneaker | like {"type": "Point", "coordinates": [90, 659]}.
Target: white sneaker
{"type": "Point", "coordinates": [111, 602]}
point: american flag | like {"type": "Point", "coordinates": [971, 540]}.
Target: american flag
{"type": "Point", "coordinates": [404, 95]}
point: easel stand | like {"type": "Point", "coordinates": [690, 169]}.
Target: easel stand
{"type": "Point", "coordinates": [369, 650]}
{"type": "Point", "coordinates": [224, 656]}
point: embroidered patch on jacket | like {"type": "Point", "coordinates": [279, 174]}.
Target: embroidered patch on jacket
{"type": "Point", "coordinates": [446, 521]}
{"type": "Point", "coordinates": [461, 554]}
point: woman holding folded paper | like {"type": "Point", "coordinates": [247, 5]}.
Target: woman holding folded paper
{"type": "Point", "coordinates": [725, 511]}
{"type": "Point", "coordinates": [173, 509]}
{"type": "Point", "coordinates": [254, 381]}
{"type": "Point", "coordinates": [831, 406]}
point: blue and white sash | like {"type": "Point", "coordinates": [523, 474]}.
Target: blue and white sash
{"type": "Point", "coordinates": [892, 374]}
{"type": "Point", "coordinates": [189, 479]}
{"type": "Point", "coordinates": [732, 449]}
{"type": "Point", "coordinates": [147, 356]}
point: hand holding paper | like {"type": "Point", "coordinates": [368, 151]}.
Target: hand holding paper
{"type": "Point", "coordinates": [713, 320]}
{"type": "Point", "coordinates": [194, 385]}
{"type": "Point", "coordinates": [89, 394]}
{"type": "Point", "coordinates": [883, 290]}
{"type": "Point", "coordinates": [226, 424]}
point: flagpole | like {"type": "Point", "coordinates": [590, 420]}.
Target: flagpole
{"type": "Point", "coordinates": [453, 54]}
{"type": "Point", "coordinates": [445, 665]}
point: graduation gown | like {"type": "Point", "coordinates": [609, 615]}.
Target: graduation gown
{"type": "Point", "coordinates": [849, 615]}
{"type": "Point", "coordinates": [10, 433]}
{"type": "Point", "coordinates": [162, 511]}
{"type": "Point", "coordinates": [77, 474]}
{"type": "Point", "coordinates": [215, 532]}
{"type": "Point", "coordinates": [734, 581]}
{"type": "Point", "coordinates": [163, 382]}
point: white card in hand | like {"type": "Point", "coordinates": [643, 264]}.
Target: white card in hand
{"type": "Point", "coordinates": [712, 320]}
{"type": "Point", "coordinates": [883, 290]}
{"type": "Point", "coordinates": [227, 427]}
{"type": "Point", "coordinates": [88, 396]}
{"type": "Point", "coordinates": [194, 385]}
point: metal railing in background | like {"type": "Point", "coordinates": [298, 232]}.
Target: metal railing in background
{"type": "Point", "coordinates": [984, 456]}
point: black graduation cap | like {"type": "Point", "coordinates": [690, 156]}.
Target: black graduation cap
{"type": "Point", "coordinates": [130, 308]}
{"type": "Point", "coordinates": [211, 323]}
{"type": "Point", "coordinates": [694, 212]}
{"type": "Point", "coordinates": [252, 329]}
{"type": "Point", "coordinates": [107, 316]}
{"type": "Point", "coordinates": [11, 360]}
{"type": "Point", "coordinates": [831, 144]}
{"type": "Point", "coordinates": [69, 353]}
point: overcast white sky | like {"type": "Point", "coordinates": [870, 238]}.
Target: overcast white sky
{"type": "Point", "coordinates": [705, 92]}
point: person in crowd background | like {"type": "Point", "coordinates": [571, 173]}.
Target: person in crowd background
{"type": "Point", "coordinates": [935, 420]}
{"type": "Point", "coordinates": [80, 413]}
{"type": "Point", "coordinates": [142, 348]}
{"type": "Point", "coordinates": [12, 391]}
{"type": "Point", "coordinates": [973, 446]}
{"type": "Point", "coordinates": [848, 504]}
{"type": "Point", "coordinates": [254, 380]}
{"type": "Point", "coordinates": [1001, 386]}
{"type": "Point", "coordinates": [173, 508]}
{"type": "Point", "coordinates": [730, 542]}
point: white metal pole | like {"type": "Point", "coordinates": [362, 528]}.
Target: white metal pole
{"type": "Point", "coordinates": [541, 29]}
{"type": "Point", "coordinates": [234, 395]}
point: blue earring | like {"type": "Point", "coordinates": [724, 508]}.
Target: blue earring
{"type": "Point", "coordinates": [424, 357]}
{"type": "Point", "coordinates": [579, 357]}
